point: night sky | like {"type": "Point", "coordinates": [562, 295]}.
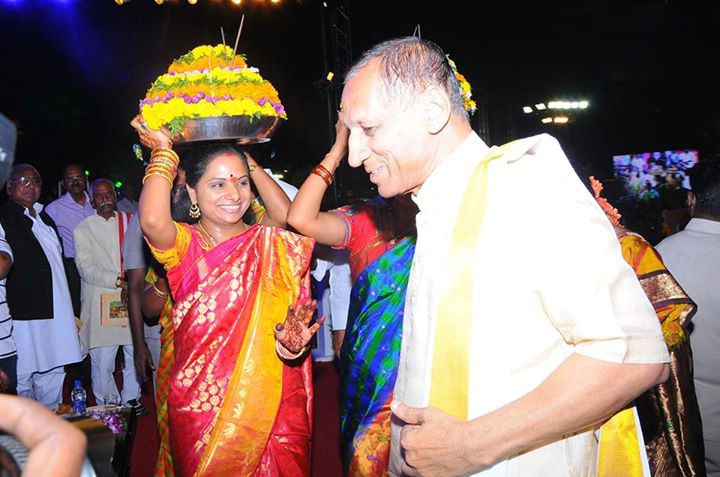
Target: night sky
{"type": "Point", "coordinates": [74, 70]}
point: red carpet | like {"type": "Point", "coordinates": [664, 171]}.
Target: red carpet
{"type": "Point", "coordinates": [326, 432]}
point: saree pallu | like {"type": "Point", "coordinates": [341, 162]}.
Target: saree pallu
{"type": "Point", "coordinates": [234, 407]}
{"type": "Point", "coordinates": [164, 464]}
{"type": "Point", "coordinates": [369, 360]}
{"type": "Point", "coordinates": [668, 413]}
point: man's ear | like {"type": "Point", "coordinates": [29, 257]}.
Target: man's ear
{"type": "Point", "coordinates": [436, 109]}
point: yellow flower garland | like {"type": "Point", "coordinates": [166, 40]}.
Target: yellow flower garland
{"type": "Point", "coordinates": [208, 81]}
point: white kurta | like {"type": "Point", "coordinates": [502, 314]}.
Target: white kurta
{"type": "Point", "coordinates": [549, 281]}
{"type": "Point", "coordinates": [44, 344]}
{"type": "Point", "coordinates": [97, 256]}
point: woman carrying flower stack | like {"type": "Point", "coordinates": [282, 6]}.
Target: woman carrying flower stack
{"type": "Point", "coordinates": [240, 397]}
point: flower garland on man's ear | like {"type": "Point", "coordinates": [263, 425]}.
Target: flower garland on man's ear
{"type": "Point", "coordinates": [610, 211]}
{"type": "Point", "coordinates": [465, 89]}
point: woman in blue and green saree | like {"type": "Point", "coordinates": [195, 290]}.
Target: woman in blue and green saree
{"type": "Point", "coordinates": [380, 235]}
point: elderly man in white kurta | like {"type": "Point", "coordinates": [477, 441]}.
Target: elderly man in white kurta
{"type": "Point", "coordinates": [98, 242]}
{"type": "Point", "coordinates": [37, 292]}
{"type": "Point", "coordinates": [524, 328]}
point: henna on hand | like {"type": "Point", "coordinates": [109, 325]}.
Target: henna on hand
{"type": "Point", "coordinates": [294, 334]}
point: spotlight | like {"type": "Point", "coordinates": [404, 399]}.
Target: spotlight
{"type": "Point", "coordinates": [236, 2]}
{"type": "Point", "coordinates": [192, 2]}
{"type": "Point", "coordinates": [159, 2]}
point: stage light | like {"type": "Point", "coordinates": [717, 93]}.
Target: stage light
{"type": "Point", "coordinates": [119, 2]}
{"type": "Point", "coordinates": [560, 119]}
{"type": "Point", "coordinates": [192, 2]}
{"type": "Point", "coordinates": [540, 106]}
{"type": "Point", "coordinates": [159, 2]}
{"type": "Point", "coordinates": [527, 109]}
{"type": "Point", "coordinates": [236, 2]}
{"type": "Point", "coordinates": [546, 120]}
{"type": "Point", "coordinates": [274, 1]}
{"type": "Point", "coordinates": [330, 76]}
{"type": "Point", "coordinates": [118, 184]}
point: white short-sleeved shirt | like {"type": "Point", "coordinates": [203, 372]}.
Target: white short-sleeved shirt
{"type": "Point", "coordinates": [549, 280]}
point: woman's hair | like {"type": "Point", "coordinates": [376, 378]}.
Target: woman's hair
{"type": "Point", "coordinates": [409, 65]}
{"type": "Point", "coordinates": [195, 160]}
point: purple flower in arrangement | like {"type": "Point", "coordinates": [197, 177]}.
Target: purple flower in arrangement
{"type": "Point", "coordinates": [279, 108]}
{"type": "Point", "coordinates": [111, 419]}
{"type": "Point", "coordinates": [201, 95]}
{"type": "Point", "coordinates": [262, 101]}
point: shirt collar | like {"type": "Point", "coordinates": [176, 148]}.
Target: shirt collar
{"type": "Point", "coordinates": [432, 189]}
{"type": "Point", "coordinates": [38, 208]}
{"type": "Point", "coordinates": [114, 217]}
{"type": "Point", "coordinates": [66, 197]}
{"type": "Point", "coordinates": [704, 226]}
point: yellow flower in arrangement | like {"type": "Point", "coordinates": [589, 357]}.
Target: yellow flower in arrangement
{"type": "Point", "coordinates": [465, 89]}
{"type": "Point", "coordinates": [206, 82]}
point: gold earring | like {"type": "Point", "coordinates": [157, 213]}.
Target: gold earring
{"type": "Point", "coordinates": [195, 211]}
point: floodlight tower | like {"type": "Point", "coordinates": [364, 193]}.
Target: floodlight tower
{"type": "Point", "coordinates": [337, 58]}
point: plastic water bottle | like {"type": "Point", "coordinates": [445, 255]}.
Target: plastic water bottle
{"type": "Point", "coordinates": [79, 398]}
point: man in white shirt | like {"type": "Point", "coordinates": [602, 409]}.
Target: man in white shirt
{"type": "Point", "coordinates": [693, 257]}
{"type": "Point", "coordinates": [523, 326]}
{"type": "Point", "coordinates": [333, 286]}
{"type": "Point", "coordinates": [98, 244]}
{"type": "Point", "coordinates": [37, 291]}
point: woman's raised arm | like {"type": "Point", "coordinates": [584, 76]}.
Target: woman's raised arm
{"type": "Point", "coordinates": [154, 208]}
{"type": "Point", "coordinates": [274, 198]}
{"type": "Point", "coordinates": [304, 214]}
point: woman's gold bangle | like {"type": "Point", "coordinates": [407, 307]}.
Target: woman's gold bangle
{"type": "Point", "coordinates": [159, 292]}
{"type": "Point", "coordinates": [286, 354]}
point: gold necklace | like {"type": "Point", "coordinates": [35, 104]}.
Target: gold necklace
{"type": "Point", "coordinates": [208, 237]}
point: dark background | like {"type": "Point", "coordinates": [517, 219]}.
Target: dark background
{"type": "Point", "coordinates": [73, 71]}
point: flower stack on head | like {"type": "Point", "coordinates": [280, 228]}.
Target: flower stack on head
{"type": "Point", "coordinates": [209, 81]}
{"type": "Point", "coordinates": [465, 89]}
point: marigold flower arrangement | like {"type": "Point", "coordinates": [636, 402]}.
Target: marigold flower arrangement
{"type": "Point", "coordinates": [465, 89]}
{"type": "Point", "coordinates": [208, 81]}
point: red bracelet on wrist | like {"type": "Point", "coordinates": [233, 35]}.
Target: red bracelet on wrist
{"type": "Point", "coordinates": [323, 173]}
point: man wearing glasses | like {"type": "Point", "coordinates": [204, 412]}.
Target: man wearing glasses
{"type": "Point", "coordinates": [37, 291]}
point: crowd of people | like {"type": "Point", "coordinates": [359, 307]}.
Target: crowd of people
{"type": "Point", "coordinates": [496, 326]}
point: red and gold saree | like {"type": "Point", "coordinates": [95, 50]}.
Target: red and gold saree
{"type": "Point", "coordinates": [234, 407]}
